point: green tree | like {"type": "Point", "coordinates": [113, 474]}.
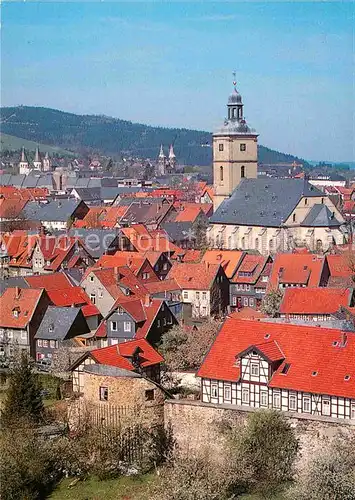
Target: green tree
{"type": "Point", "coordinates": [271, 303]}
{"type": "Point", "coordinates": [23, 399]}
{"type": "Point", "coordinates": [328, 475]}
{"type": "Point", "coordinates": [268, 446]}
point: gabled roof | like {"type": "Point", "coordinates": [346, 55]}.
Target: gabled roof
{"type": "Point", "coordinates": [54, 210]}
{"type": "Point", "coordinates": [189, 213]}
{"type": "Point", "coordinates": [167, 285]}
{"type": "Point", "coordinates": [22, 300]}
{"type": "Point", "coordinates": [150, 312]}
{"type": "Point", "coordinates": [263, 202]}
{"type": "Point", "coordinates": [252, 265]}
{"type": "Point", "coordinates": [320, 216]}
{"type": "Point", "coordinates": [317, 362]}
{"type": "Point", "coordinates": [314, 300]}
{"type": "Point", "coordinates": [52, 281]}
{"type": "Point", "coordinates": [121, 355]}
{"type": "Point", "coordinates": [60, 322]}
{"type": "Point", "coordinates": [228, 259]}
{"type": "Point", "coordinates": [303, 269]}
{"type": "Point", "coordinates": [339, 265]}
{"type": "Point", "coordinates": [247, 313]}
{"type": "Point", "coordinates": [269, 350]}
{"type": "Point", "coordinates": [74, 296]}
{"type": "Point", "coordinates": [196, 276]}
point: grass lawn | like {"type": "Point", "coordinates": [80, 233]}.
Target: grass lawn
{"type": "Point", "coordinates": [122, 488]}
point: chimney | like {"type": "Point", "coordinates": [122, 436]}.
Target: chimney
{"type": "Point", "coordinates": [147, 300]}
{"type": "Point", "coordinates": [343, 339]}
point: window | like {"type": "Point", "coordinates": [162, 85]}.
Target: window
{"type": "Point", "coordinates": [170, 320]}
{"type": "Point", "coordinates": [221, 174]}
{"type": "Point", "coordinates": [10, 334]}
{"type": "Point", "coordinates": [242, 147]}
{"type": "Point", "coordinates": [52, 344]}
{"type": "Point", "coordinates": [326, 407]}
{"type": "Point", "coordinates": [197, 295]}
{"type": "Point", "coordinates": [149, 395]}
{"type": "Point", "coordinates": [227, 392]}
{"type": "Point", "coordinates": [186, 295]}
{"type": "Point", "coordinates": [204, 295]}
{"type": "Point", "coordinates": [114, 326]}
{"type": "Point", "coordinates": [245, 301]}
{"type": "Point", "coordinates": [51, 328]}
{"type": "Point", "coordinates": [158, 323]}
{"type": "Point", "coordinates": [165, 266]}
{"type": "Point", "coordinates": [120, 310]}
{"type": "Point", "coordinates": [294, 217]}
{"type": "Point", "coordinates": [127, 326]}
{"type": "Point", "coordinates": [91, 278]}
{"type": "Point", "coordinates": [292, 402]}
{"type": "Point", "coordinates": [245, 396]}
{"type": "Point", "coordinates": [164, 321]}
{"type": "Point", "coordinates": [214, 391]}
{"type": "Point", "coordinates": [305, 201]}
{"type": "Point", "coordinates": [45, 343]}
{"type": "Point", "coordinates": [103, 393]}
{"type": "Point", "coordinates": [264, 399]}
{"type": "Point", "coordinates": [204, 311]}
{"type": "Point", "coordinates": [307, 404]}
{"type": "Point", "coordinates": [23, 335]}
{"type": "Point", "coordinates": [271, 245]}
{"type": "Point", "coordinates": [101, 294]}
{"type": "Point", "coordinates": [221, 147]}
{"type": "Point", "coordinates": [242, 171]}
{"type": "Point", "coordinates": [39, 343]}
{"type": "Point", "coordinates": [256, 243]}
{"type": "Point", "coordinates": [146, 276]}
{"type": "Point", "coordinates": [234, 300]}
{"type": "Point", "coordinates": [93, 298]}
{"type": "Point", "coordinates": [265, 279]}
{"type": "Point", "coordinates": [15, 313]}
{"type": "Point", "coordinates": [255, 369]}
{"type": "Point", "coordinates": [352, 412]}
{"type": "Point", "coordinates": [276, 400]}
{"type": "Point", "coordinates": [251, 302]}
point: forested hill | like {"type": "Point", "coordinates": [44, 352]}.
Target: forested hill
{"type": "Point", "coordinates": [112, 136]}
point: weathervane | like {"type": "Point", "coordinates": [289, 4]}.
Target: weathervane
{"type": "Point", "coordinates": [234, 80]}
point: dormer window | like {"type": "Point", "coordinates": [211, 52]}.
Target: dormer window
{"type": "Point", "coordinates": [51, 328]}
{"type": "Point", "coordinates": [48, 263]}
{"type": "Point", "coordinates": [15, 312]}
{"type": "Point", "coordinates": [314, 374]}
{"type": "Point", "coordinates": [347, 377]}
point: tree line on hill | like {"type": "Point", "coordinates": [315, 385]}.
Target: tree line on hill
{"type": "Point", "coordinates": [115, 137]}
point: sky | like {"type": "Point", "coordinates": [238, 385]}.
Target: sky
{"type": "Point", "coordinates": [171, 64]}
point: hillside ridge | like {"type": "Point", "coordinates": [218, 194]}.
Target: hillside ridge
{"type": "Point", "coordinates": [114, 136]}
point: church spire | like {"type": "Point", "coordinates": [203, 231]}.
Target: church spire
{"type": "Point", "coordinates": [161, 152]}
{"type": "Point", "coordinates": [171, 153]}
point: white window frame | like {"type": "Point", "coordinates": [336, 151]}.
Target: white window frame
{"type": "Point", "coordinates": [245, 301]}
{"type": "Point", "coordinates": [127, 326]}
{"type": "Point", "coordinates": [91, 278]}
{"type": "Point", "coordinates": [112, 328]}
{"type": "Point", "coordinates": [197, 295]}
{"type": "Point", "coordinates": [326, 404]}
{"type": "Point", "coordinates": [276, 400]}
{"type": "Point", "coordinates": [352, 411]}
{"type": "Point", "coordinates": [253, 366]}
{"type": "Point", "coordinates": [262, 395]}
{"type": "Point", "coordinates": [39, 343]}
{"type": "Point", "coordinates": [93, 298]}
{"type": "Point", "coordinates": [227, 392]}
{"type": "Point", "coordinates": [245, 395]}
{"type": "Point", "coordinates": [10, 334]}
{"type": "Point", "coordinates": [101, 293]}
{"type": "Point", "coordinates": [234, 300]}
{"type": "Point", "coordinates": [204, 295]}
{"type": "Point", "coordinates": [306, 400]}
{"type": "Point", "coordinates": [292, 398]}
{"type": "Point", "coordinates": [52, 344]}
{"type": "Point", "coordinates": [186, 295]}
{"type": "Point", "coordinates": [23, 335]}
{"type": "Point", "coordinates": [214, 390]}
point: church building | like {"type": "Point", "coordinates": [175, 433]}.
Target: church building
{"type": "Point", "coordinates": [267, 215]}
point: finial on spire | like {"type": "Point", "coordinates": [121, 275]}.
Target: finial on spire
{"type": "Point", "coordinates": [234, 80]}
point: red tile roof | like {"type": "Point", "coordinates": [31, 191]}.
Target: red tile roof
{"type": "Point", "coordinates": [168, 285]}
{"type": "Point", "coordinates": [192, 255]}
{"type": "Point", "coordinates": [117, 355]}
{"type": "Point", "coordinates": [21, 300]}
{"type": "Point", "coordinates": [11, 207]}
{"type": "Point", "coordinates": [307, 349]}
{"type": "Point", "coordinates": [228, 259]}
{"type": "Point", "coordinates": [247, 313]}
{"type": "Point", "coordinates": [302, 269]}
{"type": "Point", "coordinates": [150, 312]}
{"type": "Point", "coordinates": [74, 296]}
{"type": "Point", "coordinates": [188, 213]}
{"type": "Point", "coordinates": [53, 281]}
{"type": "Point", "coordinates": [251, 264]}
{"type": "Point", "coordinates": [339, 265]}
{"type": "Point", "coordinates": [196, 276]}
{"type": "Point", "coordinates": [314, 300]}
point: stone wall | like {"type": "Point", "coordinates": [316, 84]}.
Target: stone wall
{"type": "Point", "coordinates": [196, 424]}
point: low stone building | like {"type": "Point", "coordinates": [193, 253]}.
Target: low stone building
{"type": "Point", "coordinates": [113, 396]}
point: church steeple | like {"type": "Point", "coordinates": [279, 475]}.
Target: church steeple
{"type": "Point", "coordinates": [161, 163]}
{"type": "Point", "coordinates": [37, 162]}
{"type": "Point", "coordinates": [24, 165]}
{"type": "Point", "coordinates": [234, 150]}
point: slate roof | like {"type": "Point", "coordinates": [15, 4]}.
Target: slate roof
{"type": "Point", "coordinates": [55, 210]}
{"type": "Point", "coordinates": [263, 202]}
{"type": "Point", "coordinates": [179, 231]}
{"type": "Point", "coordinates": [320, 216]}
{"type": "Point", "coordinates": [58, 321]}
{"type": "Point", "coordinates": [97, 241]}
{"type": "Point", "coordinates": [89, 194]}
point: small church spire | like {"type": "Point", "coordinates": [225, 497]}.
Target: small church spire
{"type": "Point", "coordinates": [161, 152]}
{"type": "Point", "coordinates": [171, 152]}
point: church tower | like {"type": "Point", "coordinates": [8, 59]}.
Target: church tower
{"type": "Point", "coordinates": [235, 151]}
{"type": "Point", "coordinates": [172, 158]}
{"type": "Point", "coordinates": [47, 164]}
{"type": "Point", "coordinates": [37, 162]}
{"type": "Point", "coordinates": [24, 165]}
{"type": "Point", "coordinates": [161, 163]}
